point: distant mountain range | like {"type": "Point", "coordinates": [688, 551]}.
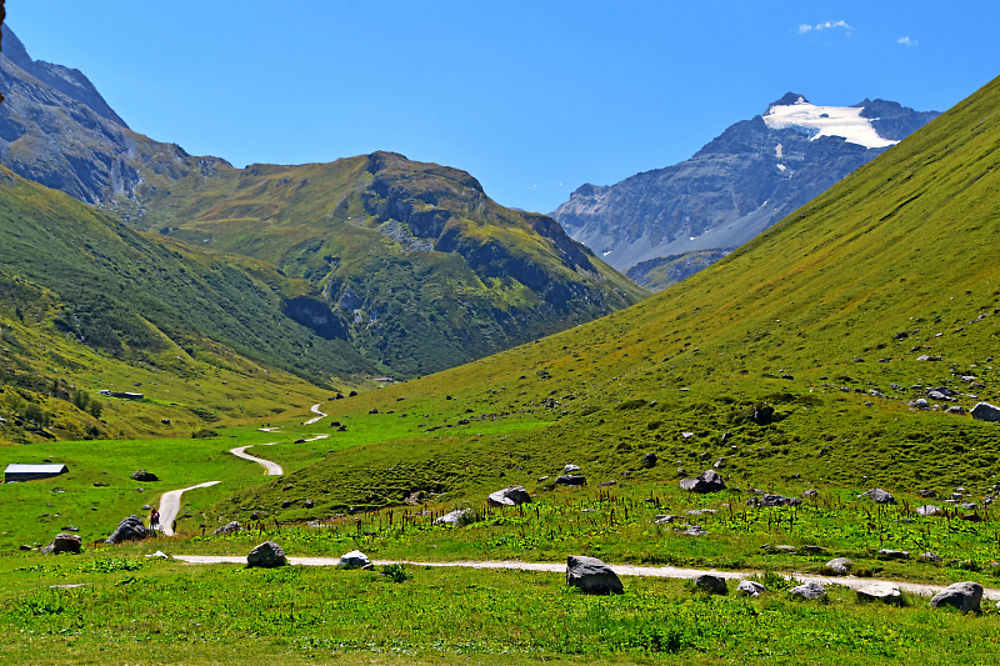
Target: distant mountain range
{"type": "Point", "coordinates": [410, 263]}
{"type": "Point", "coordinates": [663, 225]}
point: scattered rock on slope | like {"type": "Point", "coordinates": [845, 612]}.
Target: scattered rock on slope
{"type": "Point", "coordinates": [879, 495]}
{"type": "Point", "coordinates": [64, 543]}
{"type": "Point", "coordinates": [708, 481]}
{"type": "Point", "coordinates": [130, 529]}
{"type": "Point", "coordinates": [143, 475]}
{"type": "Point", "coordinates": [509, 496]}
{"type": "Point", "coordinates": [984, 411]}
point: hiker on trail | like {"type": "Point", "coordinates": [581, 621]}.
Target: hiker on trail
{"type": "Point", "coordinates": [154, 519]}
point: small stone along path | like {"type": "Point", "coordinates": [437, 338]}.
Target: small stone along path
{"type": "Point", "coordinates": [922, 589]}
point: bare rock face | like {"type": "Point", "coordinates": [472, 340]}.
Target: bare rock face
{"type": "Point", "coordinates": [509, 496]}
{"type": "Point", "coordinates": [708, 481]}
{"type": "Point", "coordinates": [592, 576]}
{"type": "Point", "coordinates": [64, 543]}
{"type": "Point", "coordinates": [964, 596]}
{"type": "Point", "coordinates": [267, 555]}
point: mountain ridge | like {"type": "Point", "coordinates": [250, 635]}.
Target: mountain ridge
{"type": "Point", "coordinates": [735, 186]}
{"type": "Point", "coordinates": [456, 278]}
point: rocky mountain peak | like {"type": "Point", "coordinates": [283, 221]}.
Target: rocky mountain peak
{"type": "Point", "coordinates": [788, 99]}
{"type": "Point", "coordinates": [68, 81]}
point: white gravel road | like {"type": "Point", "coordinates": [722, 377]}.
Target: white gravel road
{"type": "Point", "coordinates": [922, 589]}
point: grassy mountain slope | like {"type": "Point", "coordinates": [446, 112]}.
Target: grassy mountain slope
{"type": "Point", "coordinates": [82, 289]}
{"type": "Point", "coordinates": [420, 267]}
{"type": "Point", "coordinates": [825, 318]}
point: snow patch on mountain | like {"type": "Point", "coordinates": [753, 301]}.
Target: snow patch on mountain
{"type": "Point", "coordinates": [819, 121]}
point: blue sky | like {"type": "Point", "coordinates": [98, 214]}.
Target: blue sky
{"type": "Point", "coordinates": [533, 98]}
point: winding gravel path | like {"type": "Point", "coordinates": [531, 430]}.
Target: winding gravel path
{"type": "Point", "coordinates": [170, 506]}
{"type": "Point", "coordinates": [315, 410]}
{"type": "Point", "coordinates": [270, 468]}
{"type": "Point", "coordinates": [922, 589]}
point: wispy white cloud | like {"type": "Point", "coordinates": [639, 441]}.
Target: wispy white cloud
{"type": "Point", "coordinates": [906, 41]}
{"type": "Point", "coordinates": [827, 25]}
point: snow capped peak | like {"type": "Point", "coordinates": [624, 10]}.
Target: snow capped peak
{"type": "Point", "coordinates": [794, 112]}
{"type": "Point", "coordinates": [790, 98]}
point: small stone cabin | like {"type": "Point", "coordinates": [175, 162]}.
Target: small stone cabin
{"type": "Point", "coordinates": [18, 472]}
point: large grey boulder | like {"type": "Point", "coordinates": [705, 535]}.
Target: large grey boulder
{"type": "Point", "coordinates": [928, 510]}
{"type": "Point", "coordinates": [570, 468]}
{"type": "Point", "coordinates": [267, 555]}
{"type": "Point", "coordinates": [879, 495]}
{"type": "Point", "coordinates": [509, 496]}
{"type": "Point", "coordinates": [592, 576]}
{"type": "Point", "coordinates": [708, 481]}
{"type": "Point", "coordinates": [64, 543]}
{"type": "Point", "coordinates": [711, 584]}
{"type": "Point", "coordinates": [810, 591]}
{"type": "Point", "coordinates": [455, 518]}
{"type": "Point", "coordinates": [887, 593]}
{"type": "Point", "coordinates": [984, 411]}
{"type": "Point", "coordinates": [750, 588]}
{"type": "Point", "coordinates": [889, 554]}
{"type": "Point", "coordinates": [143, 475]}
{"type": "Point", "coordinates": [130, 529]}
{"type": "Point", "coordinates": [354, 560]}
{"type": "Point", "coordinates": [964, 596]}
{"type": "Point", "coordinates": [840, 566]}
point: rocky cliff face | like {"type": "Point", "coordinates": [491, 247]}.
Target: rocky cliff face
{"type": "Point", "coordinates": [740, 183]}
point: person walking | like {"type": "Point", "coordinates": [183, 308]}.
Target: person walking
{"type": "Point", "coordinates": [154, 519]}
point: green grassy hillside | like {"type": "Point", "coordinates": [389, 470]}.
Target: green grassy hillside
{"type": "Point", "coordinates": [88, 304]}
{"type": "Point", "coordinates": [418, 266]}
{"type": "Point", "coordinates": [825, 317]}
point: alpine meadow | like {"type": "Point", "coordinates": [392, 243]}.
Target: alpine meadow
{"type": "Point", "coordinates": [358, 411]}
